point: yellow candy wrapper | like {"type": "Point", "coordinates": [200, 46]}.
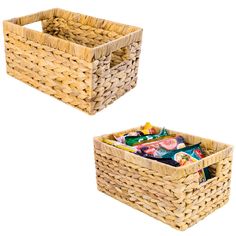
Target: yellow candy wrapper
{"type": "Point", "coordinates": [148, 129]}
{"type": "Point", "coordinates": [120, 145]}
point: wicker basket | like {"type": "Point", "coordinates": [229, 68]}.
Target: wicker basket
{"type": "Point", "coordinates": [84, 61]}
{"type": "Point", "coordinates": [170, 194]}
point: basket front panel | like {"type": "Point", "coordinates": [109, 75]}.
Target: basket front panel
{"type": "Point", "coordinates": [178, 202]}
{"type": "Point", "coordinates": [138, 187]}
{"type": "Point", "coordinates": [114, 75]}
{"type": "Point", "coordinates": [52, 71]}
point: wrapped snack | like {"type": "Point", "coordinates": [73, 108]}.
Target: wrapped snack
{"type": "Point", "coordinates": [120, 145]}
{"type": "Point", "coordinates": [121, 138]}
{"type": "Point", "coordinates": [132, 141]}
{"type": "Point", "coordinates": [159, 148]}
{"type": "Point", "coordinates": [147, 129]}
{"type": "Point", "coordinates": [188, 155]}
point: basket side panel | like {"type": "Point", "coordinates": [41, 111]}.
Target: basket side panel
{"type": "Point", "coordinates": [207, 197]}
{"type": "Point", "coordinates": [113, 76]}
{"type": "Point", "coordinates": [50, 70]}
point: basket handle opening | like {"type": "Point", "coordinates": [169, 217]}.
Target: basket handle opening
{"type": "Point", "coordinates": [119, 56]}
{"type": "Point", "coordinates": [35, 26]}
{"type": "Point", "coordinates": [216, 171]}
{"type": "Point", "coordinates": [218, 165]}
{"type": "Point", "coordinates": [37, 17]}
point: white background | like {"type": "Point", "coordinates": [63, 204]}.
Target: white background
{"type": "Point", "coordinates": [186, 82]}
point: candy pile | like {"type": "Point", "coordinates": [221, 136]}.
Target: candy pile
{"type": "Point", "coordinates": [161, 146]}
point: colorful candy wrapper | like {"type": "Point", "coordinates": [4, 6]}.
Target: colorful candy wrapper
{"type": "Point", "coordinates": [132, 141]}
{"type": "Point", "coordinates": [120, 145]}
{"type": "Point", "coordinates": [122, 137]}
{"type": "Point", "coordinates": [147, 129]}
{"type": "Point", "coordinates": [168, 161]}
{"type": "Point", "coordinates": [161, 147]}
{"type": "Point", "coordinates": [188, 155]}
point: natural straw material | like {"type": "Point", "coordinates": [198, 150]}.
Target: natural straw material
{"type": "Point", "coordinates": [84, 61]}
{"type": "Point", "coordinates": [170, 194]}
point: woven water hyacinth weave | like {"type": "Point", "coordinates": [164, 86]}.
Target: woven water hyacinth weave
{"type": "Point", "coordinates": [170, 194]}
{"type": "Point", "coordinates": [81, 60]}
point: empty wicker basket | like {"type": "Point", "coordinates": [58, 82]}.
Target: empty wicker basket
{"type": "Point", "coordinates": [170, 194]}
{"type": "Point", "coordinates": [84, 61]}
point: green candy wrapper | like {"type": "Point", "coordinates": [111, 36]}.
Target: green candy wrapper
{"type": "Point", "coordinates": [135, 140]}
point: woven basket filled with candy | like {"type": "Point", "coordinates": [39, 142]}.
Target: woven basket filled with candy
{"type": "Point", "coordinates": [174, 177]}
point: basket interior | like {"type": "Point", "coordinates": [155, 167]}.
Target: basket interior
{"type": "Point", "coordinates": [209, 147]}
{"type": "Point", "coordinates": [85, 35]}
{"type": "Point", "coordinates": [83, 29]}
{"type": "Point", "coordinates": [77, 32]}
{"type": "Point", "coordinates": [89, 32]}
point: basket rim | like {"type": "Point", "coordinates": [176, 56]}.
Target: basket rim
{"type": "Point", "coordinates": [226, 150]}
{"type": "Point", "coordinates": [16, 25]}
